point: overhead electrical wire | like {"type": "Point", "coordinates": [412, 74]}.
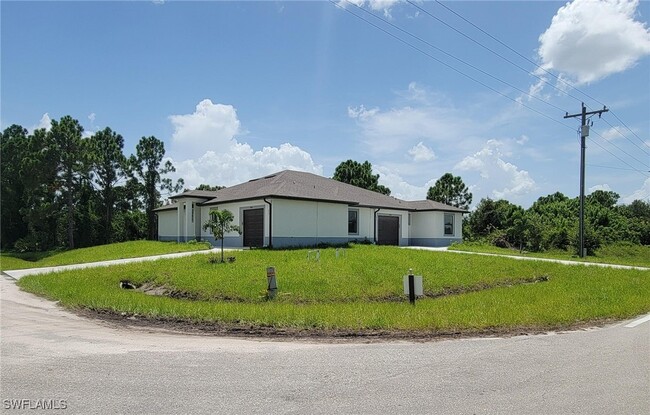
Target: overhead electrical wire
{"type": "Point", "coordinates": [450, 66]}
{"type": "Point", "coordinates": [529, 95]}
{"type": "Point", "coordinates": [486, 73]}
{"type": "Point", "coordinates": [534, 64]}
{"type": "Point", "coordinates": [521, 56]}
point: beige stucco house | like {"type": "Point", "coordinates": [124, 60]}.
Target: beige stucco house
{"type": "Point", "coordinates": [292, 208]}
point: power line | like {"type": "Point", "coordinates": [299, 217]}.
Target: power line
{"type": "Point", "coordinates": [509, 48]}
{"type": "Point", "coordinates": [457, 58]}
{"type": "Point", "coordinates": [630, 130]}
{"type": "Point", "coordinates": [471, 66]}
{"type": "Point", "coordinates": [621, 134]}
{"type": "Point", "coordinates": [451, 67]}
{"type": "Point", "coordinates": [525, 58]}
{"type": "Point", "coordinates": [460, 32]}
{"type": "Point", "coordinates": [616, 168]}
{"type": "Point", "coordinates": [621, 150]}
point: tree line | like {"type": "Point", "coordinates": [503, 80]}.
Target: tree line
{"type": "Point", "coordinates": [550, 223]}
{"type": "Point", "coordinates": [61, 189]}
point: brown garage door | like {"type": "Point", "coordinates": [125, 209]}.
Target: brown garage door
{"type": "Point", "coordinates": [254, 228]}
{"type": "Point", "coordinates": [388, 230]}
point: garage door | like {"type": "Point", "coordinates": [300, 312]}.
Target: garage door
{"type": "Point", "coordinates": [388, 230]}
{"type": "Point", "coordinates": [254, 228]}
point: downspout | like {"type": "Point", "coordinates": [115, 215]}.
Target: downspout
{"type": "Point", "coordinates": [375, 226]}
{"type": "Point", "coordinates": [270, 222]}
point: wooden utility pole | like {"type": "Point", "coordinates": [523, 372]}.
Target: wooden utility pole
{"type": "Point", "coordinates": [584, 133]}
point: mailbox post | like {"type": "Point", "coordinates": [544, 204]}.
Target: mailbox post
{"type": "Point", "coordinates": [272, 285]}
{"type": "Point", "coordinates": [411, 287]}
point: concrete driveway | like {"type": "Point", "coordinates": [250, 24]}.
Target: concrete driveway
{"type": "Point", "coordinates": [51, 356]}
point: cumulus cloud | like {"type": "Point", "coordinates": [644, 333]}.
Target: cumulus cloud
{"type": "Point", "coordinates": [505, 178]}
{"type": "Point", "coordinates": [385, 132]}
{"type": "Point", "coordinates": [209, 127]}
{"type": "Point", "coordinates": [398, 186]}
{"type": "Point", "coordinates": [420, 152]}
{"type": "Point", "coordinates": [589, 40]}
{"type": "Point", "coordinates": [45, 122]}
{"type": "Point", "coordinates": [641, 194]}
{"type": "Point", "coordinates": [613, 133]}
{"type": "Point", "coordinates": [204, 149]}
{"type": "Point", "coordinates": [604, 187]}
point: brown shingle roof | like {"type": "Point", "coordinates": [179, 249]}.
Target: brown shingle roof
{"type": "Point", "coordinates": [205, 194]}
{"type": "Point", "coordinates": [291, 184]}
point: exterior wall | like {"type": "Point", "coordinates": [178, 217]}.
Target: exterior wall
{"type": "Point", "coordinates": [168, 225]}
{"type": "Point", "coordinates": [308, 223]}
{"type": "Point", "coordinates": [188, 219]}
{"type": "Point", "coordinates": [234, 239]}
{"type": "Point", "coordinates": [365, 225]}
{"type": "Point", "coordinates": [427, 229]}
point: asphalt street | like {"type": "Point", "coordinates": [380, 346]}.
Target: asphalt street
{"type": "Point", "coordinates": [49, 356]}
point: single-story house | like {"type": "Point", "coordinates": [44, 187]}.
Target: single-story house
{"type": "Point", "coordinates": [292, 208]}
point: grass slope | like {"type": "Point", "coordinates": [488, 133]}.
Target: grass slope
{"type": "Point", "coordinates": [359, 291]}
{"type": "Point", "coordinates": [132, 249]}
{"type": "Point", "coordinates": [623, 254]}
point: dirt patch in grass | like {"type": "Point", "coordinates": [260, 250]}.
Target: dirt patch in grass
{"type": "Point", "coordinates": [261, 332]}
{"type": "Point", "coordinates": [163, 290]}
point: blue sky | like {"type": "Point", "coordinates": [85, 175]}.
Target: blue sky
{"type": "Point", "coordinates": [237, 90]}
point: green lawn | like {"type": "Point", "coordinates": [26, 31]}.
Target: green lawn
{"type": "Point", "coordinates": [133, 249]}
{"type": "Point", "coordinates": [622, 254]}
{"type": "Point", "coordinates": [361, 290]}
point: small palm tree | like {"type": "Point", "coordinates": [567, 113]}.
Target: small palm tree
{"type": "Point", "coordinates": [220, 224]}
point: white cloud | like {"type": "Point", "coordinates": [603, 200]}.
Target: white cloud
{"type": "Point", "coordinates": [641, 194]}
{"type": "Point", "coordinates": [45, 122]}
{"type": "Point", "coordinates": [506, 179]}
{"type": "Point", "coordinates": [376, 5]}
{"type": "Point", "coordinates": [604, 187]}
{"type": "Point", "coordinates": [589, 40]}
{"type": "Point", "coordinates": [362, 113]}
{"type": "Point", "coordinates": [92, 117]}
{"type": "Point", "coordinates": [420, 152]}
{"type": "Point", "coordinates": [204, 150]}
{"type": "Point", "coordinates": [522, 140]}
{"type": "Point", "coordinates": [209, 127]}
{"type": "Point", "coordinates": [398, 186]}
{"type": "Point", "coordinates": [613, 133]}
{"type": "Point", "coordinates": [385, 132]}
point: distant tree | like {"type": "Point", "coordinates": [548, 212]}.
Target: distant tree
{"type": "Point", "coordinates": [208, 187]}
{"type": "Point", "coordinates": [638, 217]}
{"type": "Point", "coordinates": [110, 166]}
{"type": "Point", "coordinates": [220, 223]}
{"type": "Point", "coordinates": [13, 149]}
{"type": "Point", "coordinates": [147, 169]}
{"type": "Point", "coordinates": [40, 208]}
{"type": "Point", "coordinates": [71, 155]}
{"type": "Point", "coordinates": [450, 190]}
{"type": "Point", "coordinates": [604, 198]}
{"type": "Point", "coordinates": [360, 175]}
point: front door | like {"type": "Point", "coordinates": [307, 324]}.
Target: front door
{"type": "Point", "coordinates": [254, 228]}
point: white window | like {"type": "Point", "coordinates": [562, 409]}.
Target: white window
{"type": "Point", "coordinates": [449, 224]}
{"type": "Point", "coordinates": [353, 221]}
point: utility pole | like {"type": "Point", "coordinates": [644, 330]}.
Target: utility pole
{"type": "Point", "coordinates": [584, 133]}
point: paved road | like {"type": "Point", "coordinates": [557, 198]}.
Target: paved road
{"type": "Point", "coordinates": [49, 354]}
